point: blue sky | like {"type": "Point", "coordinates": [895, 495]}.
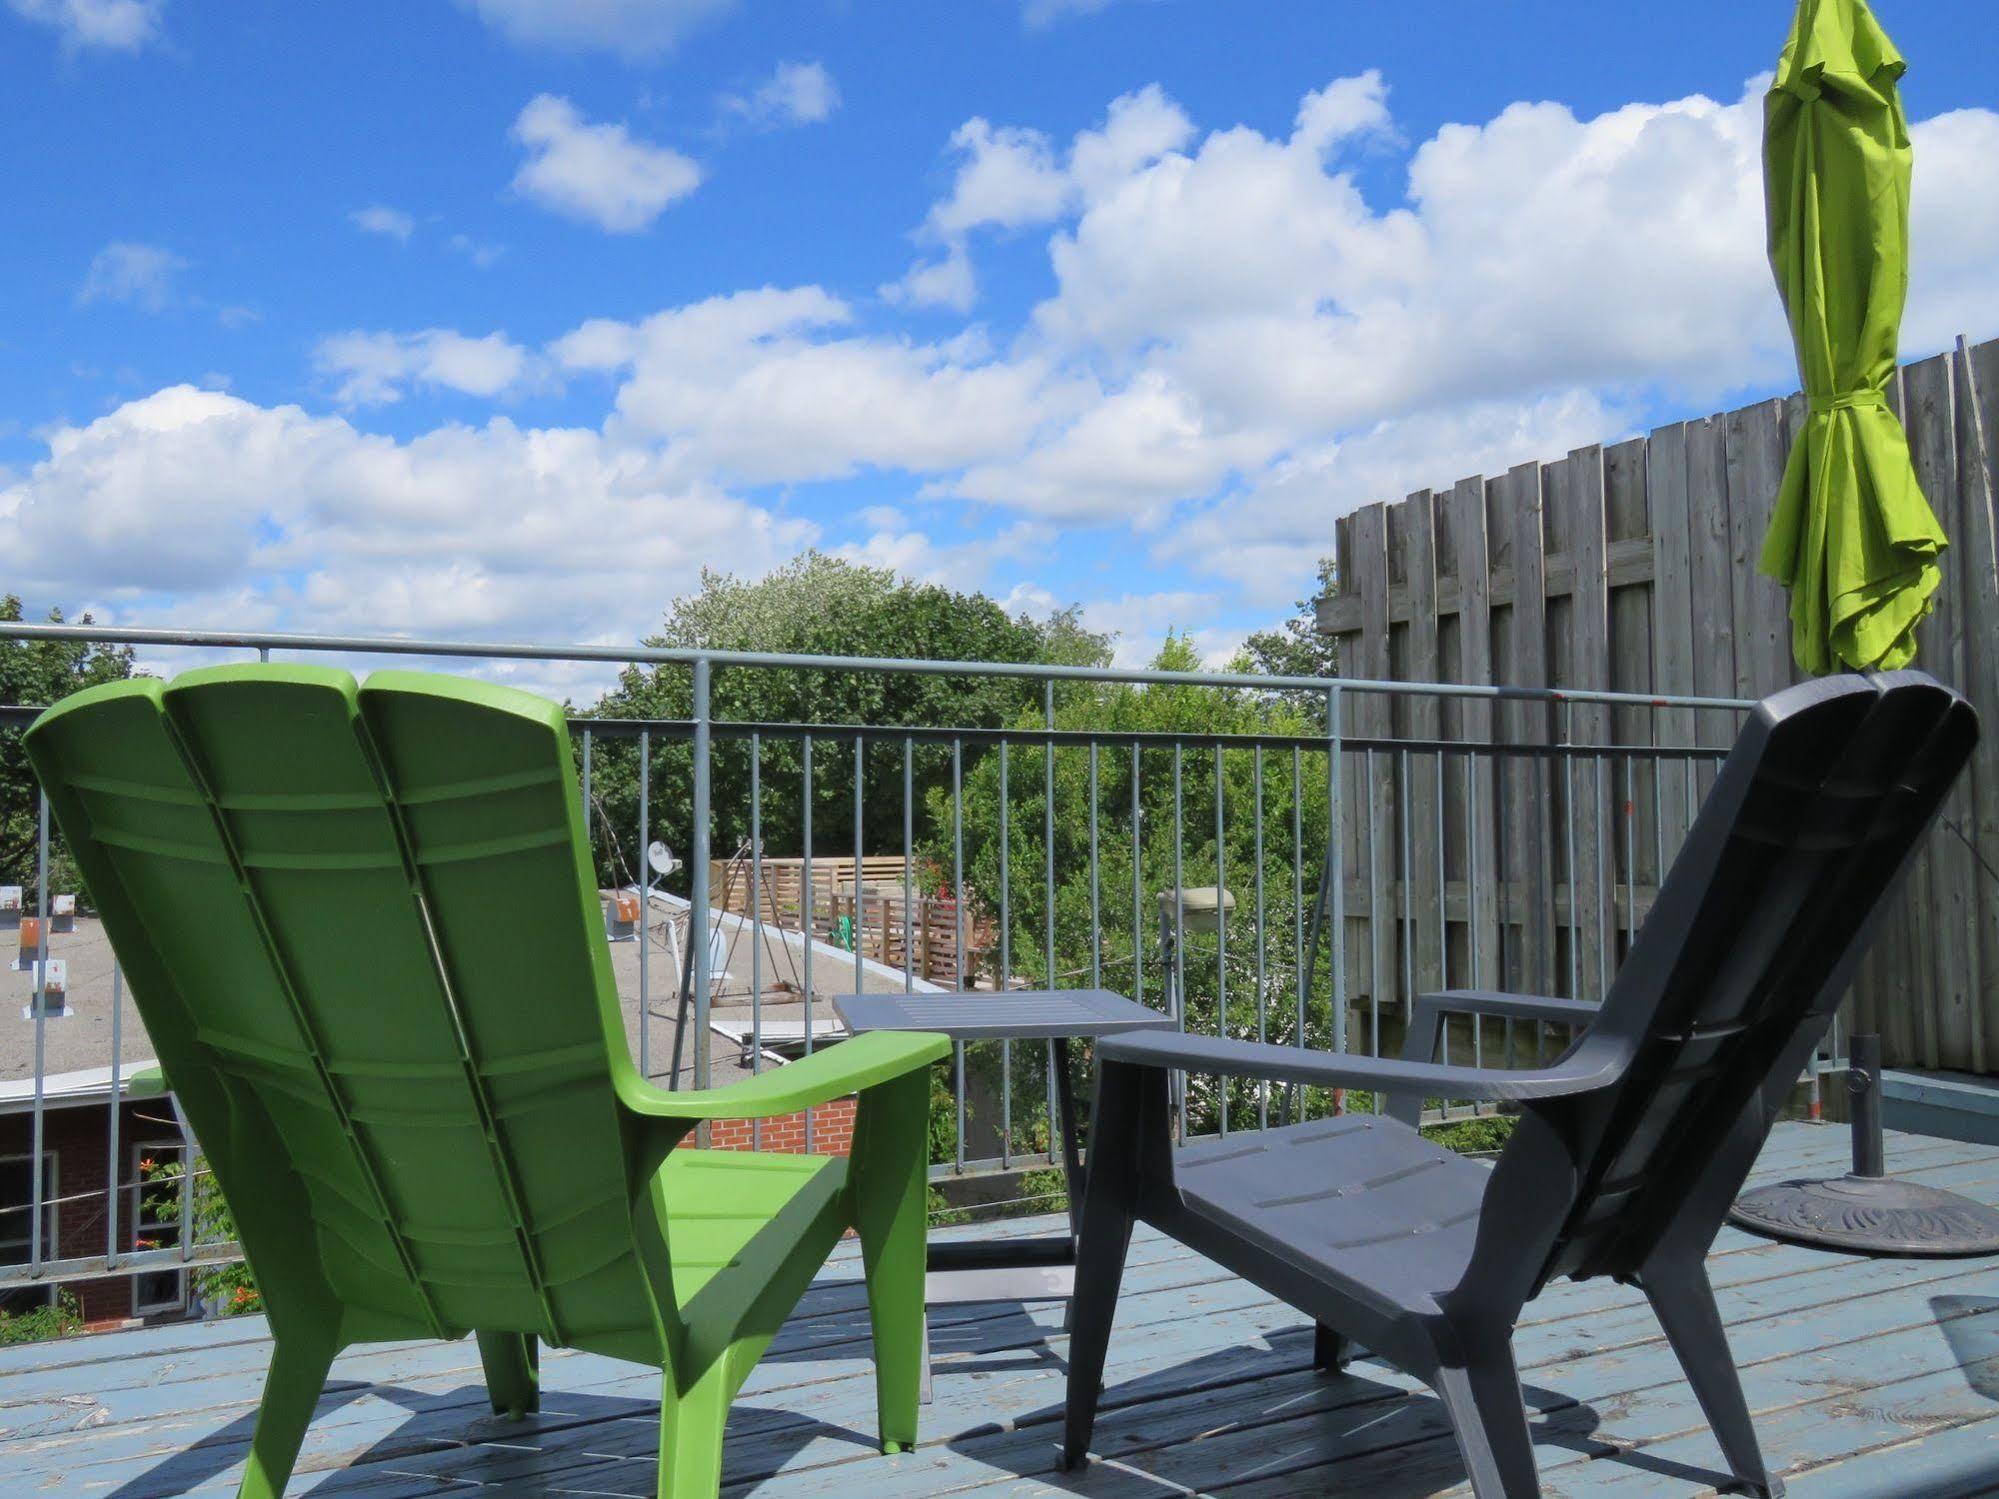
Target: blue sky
{"type": "Point", "coordinates": [504, 317]}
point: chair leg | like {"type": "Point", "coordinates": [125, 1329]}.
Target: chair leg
{"type": "Point", "coordinates": [1331, 1351]}
{"type": "Point", "coordinates": [299, 1365]}
{"type": "Point", "coordinates": [1489, 1418]}
{"type": "Point", "coordinates": [691, 1425]}
{"type": "Point", "coordinates": [1109, 1203]}
{"type": "Point", "coordinates": [512, 1364]}
{"type": "Point", "coordinates": [889, 1201]}
{"type": "Point", "coordinates": [1683, 1301]}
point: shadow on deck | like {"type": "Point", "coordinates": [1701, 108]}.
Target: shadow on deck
{"type": "Point", "coordinates": [1868, 1377]}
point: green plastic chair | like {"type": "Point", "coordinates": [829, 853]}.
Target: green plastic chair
{"type": "Point", "coordinates": [361, 927]}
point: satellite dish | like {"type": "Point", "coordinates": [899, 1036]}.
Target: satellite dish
{"type": "Point", "coordinates": [660, 857]}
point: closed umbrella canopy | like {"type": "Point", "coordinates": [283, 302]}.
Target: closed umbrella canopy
{"type": "Point", "coordinates": [1852, 536]}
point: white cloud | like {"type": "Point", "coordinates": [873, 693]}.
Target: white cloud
{"type": "Point", "coordinates": [114, 25]}
{"type": "Point", "coordinates": [798, 93]}
{"type": "Point", "coordinates": [482, 255]}
{"type": "Point", "coordinates": [635, 29]}
{"type": "Point", "coordinates": [379, 218]}
{"type": "Point", "coordinates": [945, 281]}
{"type": "Point", "coordinates": [599, 174]}
{"type": "Point", "coordinates": [376, 368]}
{"type": "Point", "coordinates": [200, 508]}
{"type": "Point", "coordinates": [752, 386]}
{"type": "Point", "coordinates": [1039, 13]}
{"type": "Point", "coordinates": [134, 274]}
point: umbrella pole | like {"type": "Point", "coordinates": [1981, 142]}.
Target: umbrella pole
{"type": "Point", "coordinates": [1867, 1211]}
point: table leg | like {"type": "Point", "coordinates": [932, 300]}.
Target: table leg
{"type": "Point", "coordinates": [1072, 1156]}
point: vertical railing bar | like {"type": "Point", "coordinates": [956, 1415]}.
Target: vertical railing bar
{"type": "Point", "coordinates": [1569, 844]}
{"type": "Point", "coordinates": [909, 865]}
{"type": "Point", "coordinates": [1630, 854]}
{"type": "Point", "coordinates": [644, 873]}
{"type": "Point", "coordinates": [1503, 871]}
{"type": "Point", "coordinates": [1336, 857]}
{"type": "Point", "coordinates": [757, 924]}
{"type": "Point", "coordinates": [1606, 877]}
{"type": "Point", "coordinates": [1297, 922]}
{"type": "Point", "coordinates": [1048, 891]}
{"type": "Point", "coordinates": [1096, 906]}
{"type": "Point", "coordinates": [112, 1122]}
{"type": "Point", "coordinates": [808, 911]}
{"type": "Point", "coordinates": [1221, 935]}
{"type": "Point", "coordinates": [587, 836]}
{"type": "Point", "coordinates": [1137, 884]}
{"type": "Point", "coordinates": [1179, 930]}
{"type": "Point", "coordinates": [1405, 923]}
{"type": "Point", "coordinates": [41, 966]}
{"type": "Point", "coordinates": [698, 903]}
{"type": "Point", "coordinates": [958, 946]}
{"type": "Point", "coordinates": [1262, 1026]}
{"type": "Point", "coordinates": [1006, 959]}
{"type": "Point", "coordinates": [1658, 825]}
{"type": "Point", "coordinates": [1443, 886]}
{"type": "Point", "coordinates": [1471, 901]}
{"type": "Point", "coordinates": [1375, 897]}
{"type": "Point", "coordinates": [860, 900]}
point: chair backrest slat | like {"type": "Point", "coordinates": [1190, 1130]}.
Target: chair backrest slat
{"type": "Point", "coordinates": [1749, 949]}
{"type": "Point", "coordinates": [362, 933]}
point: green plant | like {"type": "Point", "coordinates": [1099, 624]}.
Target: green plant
{"type": "Point", "coordinates": [229, 1290]}
{"type": "Point", "coordinates": [58, 1319]}
{"type": "Point", "coordinates": [1486, 1132]}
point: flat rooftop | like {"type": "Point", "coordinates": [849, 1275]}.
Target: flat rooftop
{"type": "Point", "coordinates": [1870, 1379]}
{"type": "Point", "coordinates": [77, 1046]}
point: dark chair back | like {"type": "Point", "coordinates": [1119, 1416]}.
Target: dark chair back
{"type": "Point", "coordinates": [1743, 960]}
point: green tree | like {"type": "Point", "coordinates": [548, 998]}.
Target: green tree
{"type": "Point", "coordinates": [1295, 647]}
{"type": "Point", "coordinates": [35, 673]}
{"type": "Point", "coordinates": [1218, 732]}
{"type": "Point", "coordinates": [816, 605]}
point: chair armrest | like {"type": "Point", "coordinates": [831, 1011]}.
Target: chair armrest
{"type": "Point", "coordinates": [1290, 1064]}
{"type": "Point", "coordinates": [819, 1078]}
{"type": "Point", "coordinates": [1426, 1016]}
{"type": "Point", "coordinates": [147, 1082]}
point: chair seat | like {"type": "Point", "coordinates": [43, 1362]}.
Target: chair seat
{"type": "Point", "coordinates": [1361, 1200]}
{"type": "Point", "coordinates": [742, 1210]}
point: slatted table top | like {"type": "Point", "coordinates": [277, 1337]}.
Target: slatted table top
{"type": "Point", "coordinates": [1870, 1379]}
{"type": "Point", "coordinates": [1005, 1014]}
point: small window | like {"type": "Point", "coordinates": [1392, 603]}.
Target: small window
{"type": "Point", "coordinates": [154, 1210]}
{"type": "Point", "coordinates": [17, 1209]}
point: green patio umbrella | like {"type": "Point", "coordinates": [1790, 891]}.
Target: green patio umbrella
{"type": "Point", "coordinates": [1852, 537]}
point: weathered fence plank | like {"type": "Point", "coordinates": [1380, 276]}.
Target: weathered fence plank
{"type": "Point", "coordinates": [1636, 568]}
{"type": "Point", "coordinates": [1589, 667]}
{"type": "Point", "coordinates": [1468, 528]}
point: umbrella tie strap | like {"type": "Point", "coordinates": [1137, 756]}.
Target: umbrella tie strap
{"type": "Point", "coordinates": [1849, 401]}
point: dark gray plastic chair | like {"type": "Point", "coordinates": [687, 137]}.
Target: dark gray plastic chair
{"type": "Point", "coordinates": [1628, 1150]}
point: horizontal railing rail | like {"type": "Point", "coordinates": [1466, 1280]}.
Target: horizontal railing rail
{"type": "Point", "coordinates": [1044, 848]}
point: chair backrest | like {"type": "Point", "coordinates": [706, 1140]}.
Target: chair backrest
{"type": "Point", "coordinates": [360, 926]}
{"type": "Point", "coordinates": [1746, 954]}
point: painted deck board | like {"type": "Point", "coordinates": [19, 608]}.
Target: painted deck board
{"type": "Point", "coordinates": [1869, 1378]}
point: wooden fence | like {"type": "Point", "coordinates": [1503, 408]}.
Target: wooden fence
{"type": "Point", "coordinates": [1633, 567]}
{"type": "Point", "coordinates": [875, 916]}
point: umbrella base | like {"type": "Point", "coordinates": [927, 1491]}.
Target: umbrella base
{"type": "Point", "coordinates": [1870, 1215]}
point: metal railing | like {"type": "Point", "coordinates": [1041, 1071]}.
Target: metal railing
{"type": "Point", "coordinates": [1366, 868]}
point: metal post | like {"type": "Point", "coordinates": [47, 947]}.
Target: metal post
{"type": "Point", "coordinates": [757, 923]}
{"type": "Point", "coordinates": [111, 1123]}
{"type": "Point", "coordinates": [808, 917]}
{"type": "Point", "coordinates": [41, 962]}
{"type": "Point", "coordinates": [700, 919]}
{"type": "Point", "coordinates": [1863, 1086]}
{"type": "Point", "coordinates": [645, 922]}
{"type": "Point", "coordinates": [1336, 863]}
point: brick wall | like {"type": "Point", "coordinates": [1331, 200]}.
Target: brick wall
{"type": "Point", "coordinates": [832, 1131]}
{"type": "Point", "coordinates": [78, 1139]}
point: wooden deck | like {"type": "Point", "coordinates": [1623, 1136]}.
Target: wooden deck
{"type": "Point", "coordinates": [1868, 1377]}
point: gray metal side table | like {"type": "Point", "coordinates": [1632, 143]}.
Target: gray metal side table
{"type": "Point", "coordinates": [1024, 1269]}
